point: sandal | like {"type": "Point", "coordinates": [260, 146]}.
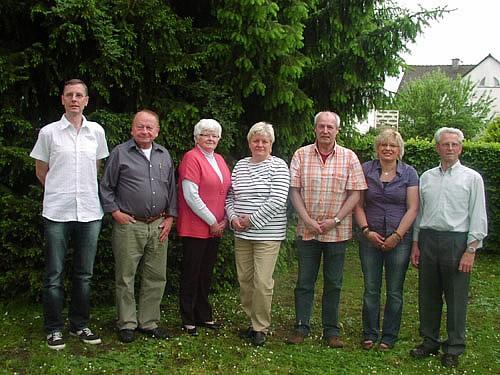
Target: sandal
{"type": "Point", "coordinates": [367, 344]}
{"type": "Point", "coordinates": [384, 346]}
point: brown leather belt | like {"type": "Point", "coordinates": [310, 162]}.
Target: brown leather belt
{"type": "Point", "coordinates": [148, 220]}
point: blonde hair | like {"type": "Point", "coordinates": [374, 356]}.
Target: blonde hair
{"type": "Point", "coordinates": [387, 134]}
{"type": "Point", "coordinates": [261, 128]}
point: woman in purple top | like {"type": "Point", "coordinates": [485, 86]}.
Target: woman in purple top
{"type": "Point", "coordinates": [385, 214]}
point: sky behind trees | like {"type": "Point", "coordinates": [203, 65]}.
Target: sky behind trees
{"type": "Point", "coordinates": [468, 33]}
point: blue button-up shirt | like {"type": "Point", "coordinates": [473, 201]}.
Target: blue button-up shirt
{"type": "Point", "coordinates": [385, 203]}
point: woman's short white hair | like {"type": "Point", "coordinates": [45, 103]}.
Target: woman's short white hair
{"type": "Point", "coordinates": [455, 131]}
{"type": "Point", "coordinates": [261, 128]}
{"type": "Point", "coordinates": [207, 125]}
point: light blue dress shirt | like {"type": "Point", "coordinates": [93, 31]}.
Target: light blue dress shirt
{"type": "Point", "coordinates": [452, 201]}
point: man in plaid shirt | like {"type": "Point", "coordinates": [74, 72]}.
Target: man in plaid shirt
{"type": "Point", "coordinates": [326, 180]}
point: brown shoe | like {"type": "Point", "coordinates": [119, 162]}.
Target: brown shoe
{"type": "Point", "coordinates": [295, 338]}
{"type": "Point", "coordinates": [367, 344]}
{"type": "Point", "coordinates": [335, 342]}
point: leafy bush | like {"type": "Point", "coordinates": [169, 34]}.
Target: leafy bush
{"type": "Point", "coordinates": [492, 131]}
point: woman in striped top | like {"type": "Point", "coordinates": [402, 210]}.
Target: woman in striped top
{"type": "Point", "coordinates": [256, 209]}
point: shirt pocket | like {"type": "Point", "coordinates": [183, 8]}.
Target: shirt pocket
{"type": "Point", "coordinates": [338, 182]}
{"type": "Point", "coordinates": [163, 168]}
{"type": "Point", "coordinates": [88, 147]}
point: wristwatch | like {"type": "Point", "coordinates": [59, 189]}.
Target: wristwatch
{"type": "Point", "coordinates": [337, 220]}
{"type": "Point", "coordinates": [470, 250]}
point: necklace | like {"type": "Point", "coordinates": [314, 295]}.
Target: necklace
{"type": "Point", "coordinates": [387, 173]}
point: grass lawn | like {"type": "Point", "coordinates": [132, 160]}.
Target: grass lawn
{"type": "Point", "coordinates": [23, 349]}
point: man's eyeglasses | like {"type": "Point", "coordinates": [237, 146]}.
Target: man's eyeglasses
{"type": "Point", "coordinates": [450, 145]}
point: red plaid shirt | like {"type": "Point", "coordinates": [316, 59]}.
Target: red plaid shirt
{"type": "Point", "coordinates": [323, 187]}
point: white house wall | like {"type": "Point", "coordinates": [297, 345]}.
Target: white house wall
{"type": "Point", "coordinates": [489, 69]}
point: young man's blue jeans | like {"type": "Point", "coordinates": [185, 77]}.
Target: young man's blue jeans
{"type": "Point", "coordinates": [84, 240]}
{"type": "Point", "coordinates": [373, 262]}
{"type": "Point", "coordinates": [309, 254]}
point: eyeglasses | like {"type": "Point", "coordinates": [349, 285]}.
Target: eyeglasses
{"type": "Point", "coordinates": [215, 136]}
{"type": "Point", "coordinates": [450, 145]}
{"type": "Point", "coordinates": [142, 127]}
{"type": "Point", "coordinates": [390, 145]}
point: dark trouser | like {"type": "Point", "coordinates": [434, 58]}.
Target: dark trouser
{"type": "Point", "coordinates": [440, 254]}
{"type": "Point", "coordinates": [198, 260]}
{"type": "Point", "coordinates": [84, 236]}
{"type": "Point", "coordinates": [309, 254]}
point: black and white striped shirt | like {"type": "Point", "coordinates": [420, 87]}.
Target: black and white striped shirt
{"type": "Point", "coordinates": [260, 190]}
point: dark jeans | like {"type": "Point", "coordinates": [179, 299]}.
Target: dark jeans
{"type": "Point", "coordinates": [309, 254]}
{"type": "Point", "coordinates": [440, 254]}
{"type": "Point", "coordinates": [198, 260]}
{"type": "Point", "coordinates": [84, 239]}
{"type": "Point", "coordinates": [373, 262]}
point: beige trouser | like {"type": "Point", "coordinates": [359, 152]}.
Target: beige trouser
{"type": "Point", "coordinates": [137, 244]}
{"type": "Point", "coordinates": [255, 261]}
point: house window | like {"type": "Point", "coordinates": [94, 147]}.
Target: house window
{"type": "Point", "coordinates": [482, 82]}
{"type": "Point", "coordinates": [496, 81]}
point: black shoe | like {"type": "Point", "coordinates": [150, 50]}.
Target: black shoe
{"type": "Point", "coordinates": [422, 352]}
{"type": "Point", "coordinates": [86, 336]}
{"type": "Point", "coordinates": [246, 334]}
{"type": "Point", "coordinates": [190, 331]}
{"type": "Point", "coordinates": [259, 338]}
{"type": "Point", "coordinates": [215, 326]}
{"type": "Point", "coordinates": [126, 335]}
{"type": "Point", "coordinates": [449, 360]}
{"type": "Point", "coordinates": [55, 340]}
{"type": "Point", "coordinates": [156, 333]}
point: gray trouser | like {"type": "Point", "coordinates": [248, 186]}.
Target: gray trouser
{"type": "Point", "coordinates": [440, 254]}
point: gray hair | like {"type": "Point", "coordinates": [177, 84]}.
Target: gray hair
{"type": "Point", "coordinates": [207, 124]}
{"type": "Point", "coordinates": [261, 128]}
{"type": "Point", "coordinates": [457, 132]}
{"type": "Point", "coordinates": [387, 134]}
{"type": "Point", "coordinates": [337, 117]}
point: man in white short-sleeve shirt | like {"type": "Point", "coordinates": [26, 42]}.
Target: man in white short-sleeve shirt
{"type": "Point", "coordinates": [67, 155]}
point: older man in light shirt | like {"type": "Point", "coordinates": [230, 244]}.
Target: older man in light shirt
{"type": "Point", "coordinates": [450, 227]}
{"type": "Point", "coordinates": [67, 153]}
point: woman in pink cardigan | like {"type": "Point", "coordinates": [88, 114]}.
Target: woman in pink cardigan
{"type": "Point", "coordinates": [204, 180]}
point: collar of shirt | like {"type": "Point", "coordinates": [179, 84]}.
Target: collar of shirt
{"type": "Point", "coordinates": [399, 167]}
{"type": "Point", "coordinates": [451, 169]}
{"type": "Point", "coordinates": [316, 149]}
{"type": "Point", "coordinates": [209, 155]}
{"type": "Point", "coordinates": [131, 144]}
{"type": "Point", "coordinates": [66, 124]}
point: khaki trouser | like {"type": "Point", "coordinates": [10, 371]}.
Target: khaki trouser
{"type": "Point", "coordinates": [255, 261]}
{"type": "Point", "coordinates": [137, 244]}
